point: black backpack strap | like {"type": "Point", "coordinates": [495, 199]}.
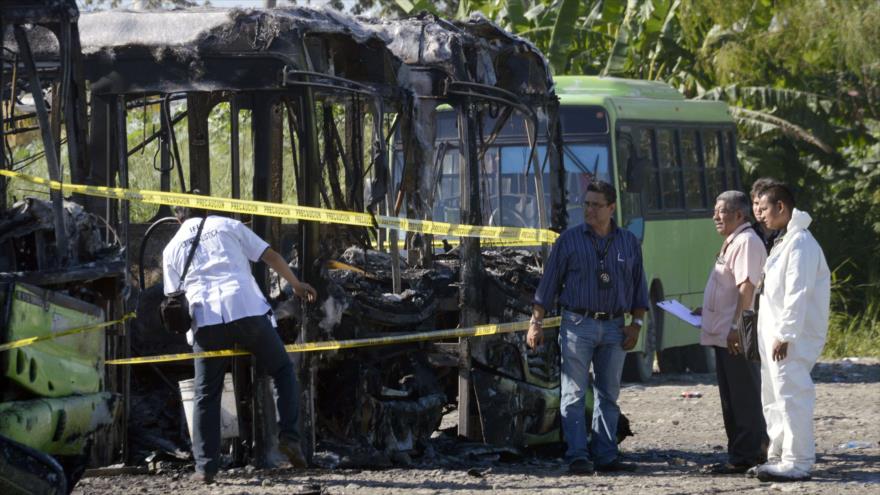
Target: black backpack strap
{"type": "Point", "coordinates": [192, 252]}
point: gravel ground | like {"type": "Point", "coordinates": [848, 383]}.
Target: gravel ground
{"type": "Point", "coordinates": [674, 436]}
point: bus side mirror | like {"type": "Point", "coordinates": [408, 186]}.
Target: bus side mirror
{"type": "Point", "coordinates": [636, 168]}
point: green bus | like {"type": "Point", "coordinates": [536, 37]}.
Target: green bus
{"type": "Point", "coordinates": [668, 158]}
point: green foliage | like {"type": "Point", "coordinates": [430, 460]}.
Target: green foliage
{"type": "Point", "coordinates": [563, 30]}
{"type": "Point", "coordinates": [803, 81]}
{"type": "Point", "coordinates": [802, 78]}
{"type": "Point", "coordinates": [854, 334]}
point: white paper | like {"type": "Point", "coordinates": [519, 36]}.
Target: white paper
{"type": "Point", "coordinates": [681, 312]}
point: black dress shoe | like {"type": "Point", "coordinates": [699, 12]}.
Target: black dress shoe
{"type": "Point", "coordinates": [581, 467]}
{"type": "Point", "coordinates": [725, 468]}
{"type": "Point", "coordinates": [201, 477]}
{"type": "Point", "coordinates": [616, 466]}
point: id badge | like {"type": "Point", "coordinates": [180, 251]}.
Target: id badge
{"type": "Point", "coordinates": [604, 279]}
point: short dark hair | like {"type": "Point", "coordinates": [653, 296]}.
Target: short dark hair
{"type": "Point", "coordinates": [185, 212]}
{"type": "Point", "coordinates": [763, 183]}
{"type": "Point", "coordinates": [779, 192]}
{"type": "Point", "coordinates": [604, 189]}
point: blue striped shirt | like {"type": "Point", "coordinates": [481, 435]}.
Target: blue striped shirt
{"type": "Point", "coordinates": [571, 272]}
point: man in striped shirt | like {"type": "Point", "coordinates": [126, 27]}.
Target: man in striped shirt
{"type": "Point", "coordinates": [596, 271]}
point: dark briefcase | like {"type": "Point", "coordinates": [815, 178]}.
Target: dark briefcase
{"type": "Point", "coordinates": [748, 335]}
{"type": "Point", "coordinates": [174, 309]}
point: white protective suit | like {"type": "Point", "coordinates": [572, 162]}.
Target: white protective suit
{"type": "Point", "coordinates": [793, 308]}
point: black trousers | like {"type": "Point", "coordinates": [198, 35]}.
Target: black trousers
{"type": "Point", "coordinates": [739, 384]}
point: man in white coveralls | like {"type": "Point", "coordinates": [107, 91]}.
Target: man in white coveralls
{"type": "Point", "coordinates": [792, 325]}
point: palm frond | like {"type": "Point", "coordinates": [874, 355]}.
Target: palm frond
{"type": "Point", "coordinates": [764, 122]}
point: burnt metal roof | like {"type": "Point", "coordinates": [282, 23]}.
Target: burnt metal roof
{"type": "Point", "coordinates": [214, 49]}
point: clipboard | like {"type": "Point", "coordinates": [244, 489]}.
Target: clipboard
{"type": "Point", "coordinates": [680, 311]}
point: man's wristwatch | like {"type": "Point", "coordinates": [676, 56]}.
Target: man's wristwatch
{"type": "Point", "coordinates": [638, 321]}
{"type": "Point", "coordinates": [539, 323]}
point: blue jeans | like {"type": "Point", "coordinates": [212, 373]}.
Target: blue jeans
{"type": "Point", "coordinates": [256, 335]}
{"type": "Point", "coordinates": [583, 341]}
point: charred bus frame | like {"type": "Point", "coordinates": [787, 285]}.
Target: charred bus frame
{"type": "Point", "coordinates": [299, 63]}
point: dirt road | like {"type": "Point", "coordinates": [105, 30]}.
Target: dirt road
{"type": "Point", "coordinates": [674, 437]}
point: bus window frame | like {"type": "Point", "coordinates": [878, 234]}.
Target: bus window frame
{"type": "Point", "coordinates": [597, 139]}
{"type": "Point", "coordinates": [726, 151]}
{"type": "Point", "coordinates": [698, 167]}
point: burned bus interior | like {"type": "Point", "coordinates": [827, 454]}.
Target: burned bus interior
{"type": "Point", "coordinates": [290, 105]}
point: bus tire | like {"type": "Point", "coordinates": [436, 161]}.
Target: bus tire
{"type": "Point", "coordinates": [639, 366]}
{"type": "Point", "coordinates": [671, 360]}
{"type": "Point", "coordinates": [699, 358]}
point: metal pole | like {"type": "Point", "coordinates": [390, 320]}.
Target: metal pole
{"type": "Point", "coordinates": [122, 165]}
{"type": "Point", "coordinates": [235, 158]}
{"type": "Point", "coordinates": [268, 143]}
{"type": "Point", "coordinates": [470, 300]}
{"type": "Point", "coordinates": [3, 181]}
{"type": "Point", "coordinates": [198, 106]}
{"type": "Point", "coordinates": [61, 243]}
{"type": "Point", "coordinates": [310, 244]}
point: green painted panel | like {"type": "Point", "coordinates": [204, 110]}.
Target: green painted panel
{"type": "Point", "coordinates": [54, 368]}
{"type": "Point", "coordinates": [678, 333]}
{"type": "Point", "coordinates": [668, 111]}
{"type": "Point", "coordinates": [665, 250]}
{"type": "Point", "coordinates": [615, 86]}
{"type": "Point", "coordinates": [633, 99]}
{"type": "Point", "coordinates": [57, 426]}
{"type": "Point", "coordinates": [679, 253]}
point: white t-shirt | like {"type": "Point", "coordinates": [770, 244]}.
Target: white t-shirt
{"type": "Point", "coordinates": [219, 285]}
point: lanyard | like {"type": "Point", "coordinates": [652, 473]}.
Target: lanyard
{"type": "Point", "coordinates": [604, 252]}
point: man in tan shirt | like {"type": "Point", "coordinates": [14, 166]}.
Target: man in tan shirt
{"type": "Point", "coordinates": [729, 291]}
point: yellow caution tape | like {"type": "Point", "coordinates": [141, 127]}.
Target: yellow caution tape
{"type": "Point", "coordinates": [483, 243]}
{"type": "Point", "coordinates": [335, 345]}
{"type": "Point", "coordinates": [206, 202]}
{"type": "Point", "coordinates": [63, 333]}
{"type": "Point", "coordinates": [458, 230]}
{"type": "Point", "coordinates": [278, 210]}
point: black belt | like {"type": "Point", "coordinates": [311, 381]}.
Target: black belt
{"type": "Point", "coordinates": [596, 315]}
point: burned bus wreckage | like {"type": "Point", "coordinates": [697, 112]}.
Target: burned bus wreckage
{"type": "Point", "coordinates": [58, 268]}
{"type": "Point", "coordinates": [342, 114]}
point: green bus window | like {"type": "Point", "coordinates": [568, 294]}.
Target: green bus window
{"type": "Point", "coordinates": [670, 182]}
{"type": "Point", "coordinates": [583, 162]}
{"type": "Point", "coordinates": [629, 151]}
{"type": "Point", "coordinates": [693, 172]}
{"type": "Point", "coordinates": [730, 160]}
{"type": "Point", "coordinates": [652, 180]}
{"type": "Point", "coordinates": [714, 166]}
